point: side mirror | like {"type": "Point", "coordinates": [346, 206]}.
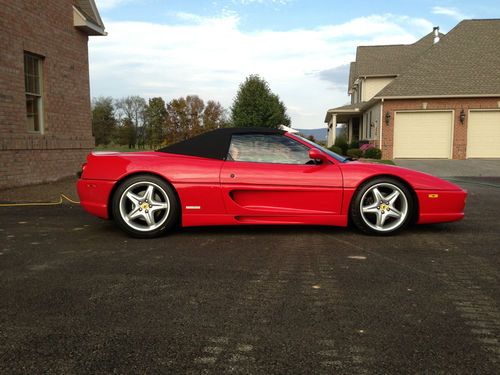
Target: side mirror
{"type": "Point", "coordinates": [316, 154]}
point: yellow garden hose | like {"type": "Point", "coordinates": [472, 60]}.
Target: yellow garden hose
{"type": "Point", "coordinates": [62, 198]}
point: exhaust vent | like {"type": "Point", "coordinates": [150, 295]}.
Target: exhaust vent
{"type": "Point", "coordinates": [436, 34]}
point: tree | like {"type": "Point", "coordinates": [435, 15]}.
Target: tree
{"type": "Point", "coordinates": [255, 105]}
{"type": "Point", "coordinates": [195, 107]}
{"type": "Point", "coordinates": [214, 116]}
{"type": "Point", "coordinates": [187, 117]}
{"type": "Point", "coordinates": [103, 120]}
{"type": "Point", "coordinates": [134, 109]}
{"type": "Point", "coordinates": [156, 115]}
{"type": "Point", "coordinates": [177, 121]}
{"type": "Point", "coordinates": [126, 134]}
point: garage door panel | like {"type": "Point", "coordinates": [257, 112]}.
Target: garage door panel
{"type": "Point", "coordinates": [423, 134]}
{"type": "Point", "coordinates": [483, 134]}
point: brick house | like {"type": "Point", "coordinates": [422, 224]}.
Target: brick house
{"type": "Point", "coordinates": [436, 98]}
{"type": "Point", "coordinates": [45, 116]}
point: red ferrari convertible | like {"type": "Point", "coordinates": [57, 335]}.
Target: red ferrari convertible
{"type": "Point", "coordinates": [239, 176]}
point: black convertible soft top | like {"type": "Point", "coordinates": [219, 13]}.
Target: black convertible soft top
{"type": "Point", "coordinates": [213, 144]}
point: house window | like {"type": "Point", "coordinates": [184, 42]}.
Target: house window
{"type": "Point", "coordinates": [33, 89]}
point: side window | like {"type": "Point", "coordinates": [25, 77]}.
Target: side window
{"type": "Point", "coordinates": [261, 148]}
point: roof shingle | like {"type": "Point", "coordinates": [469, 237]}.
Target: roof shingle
{"type": "Point", "coordinates": [387, 60]}
{"type": "Point", "coordinates": [464, 62]}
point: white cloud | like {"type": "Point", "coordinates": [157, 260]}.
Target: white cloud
{"type": "Point", "coordinates": [211, 56]}
{"type": "Point", "coordinates": [450, 12]}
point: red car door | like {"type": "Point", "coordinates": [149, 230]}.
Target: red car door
{"type": "Point", "coordinates": [269, 175]}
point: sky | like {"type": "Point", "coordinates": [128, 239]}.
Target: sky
{"type": "Point", "coordinates": [302, 48]}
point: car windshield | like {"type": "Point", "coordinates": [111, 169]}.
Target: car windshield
{"type": "Point", "coordinates": [325, 150]}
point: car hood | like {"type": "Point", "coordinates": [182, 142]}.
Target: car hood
{"type": "Point", "coordinates": [355, 172]}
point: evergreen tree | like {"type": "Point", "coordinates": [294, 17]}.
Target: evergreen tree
{"type": "Point", "coordinates": [256, 106]}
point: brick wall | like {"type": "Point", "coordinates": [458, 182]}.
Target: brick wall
{"type": "Point", "coordinates": [459, 130]}
{"type": "Point", "coordinates": [26, 165]}
{"type": "Point", "coordinates": [44, 28]}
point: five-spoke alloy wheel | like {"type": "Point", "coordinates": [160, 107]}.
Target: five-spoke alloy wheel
{"type": "Point", "coordinates": [145, 206]}
{"type": "Point", "coordinates": [382, 206]}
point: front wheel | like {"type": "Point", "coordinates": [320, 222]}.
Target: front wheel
{"type": "Point", "coordinates": [382, 206]}
{"type": "Point", "coordinates": [145, 206]}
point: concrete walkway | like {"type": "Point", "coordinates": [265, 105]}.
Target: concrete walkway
{"type": "Point", "coordinates": [454, 168]}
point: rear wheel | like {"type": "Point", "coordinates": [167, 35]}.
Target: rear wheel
{"type": "Point", "coordinates": [145, 206]}
{"type": "Point", "coordinates": [382, 206]}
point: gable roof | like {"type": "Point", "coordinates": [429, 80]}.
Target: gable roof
{"type": "Point", "coordinates": [87, 18]}
{"type": "Point", "coordinates": [387, 60]}
{"type": "Point", "coordinates": [465, 62]}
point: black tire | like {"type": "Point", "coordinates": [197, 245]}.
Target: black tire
{"type": "Point", "coordinates": [162, 209]}
{"type": "Point", "coordinates": [367, 221]}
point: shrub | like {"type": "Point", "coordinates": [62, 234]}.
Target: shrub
{"type": "Point", "coordinates": [354, 153]}
{"type": "Point", "coordinates": [373, 153]}
{"type": "Point", "coordinates": [354, 144]}
{"type": "Point", "coordinates": [336, 149]}
{"type": "Point", "coordinates": [341, 142]}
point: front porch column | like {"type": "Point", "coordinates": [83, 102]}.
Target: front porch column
{"type": "Point", "coordinates": [332, 130]}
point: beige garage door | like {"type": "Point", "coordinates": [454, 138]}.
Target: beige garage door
{"type": "Point", "coordinates": [423, 134]}
{"type": "Point", "coordinates": [483, 134]}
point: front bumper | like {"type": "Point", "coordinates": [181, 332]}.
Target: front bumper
{"type": "Point", "coordinates": [94, 196]}
{"type": "Point", "coordinates": [441, 206]}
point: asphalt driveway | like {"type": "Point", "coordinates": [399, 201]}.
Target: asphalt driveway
{"type": "Point", "coordinates": [79, 296]}
{"type": "Point", "coordinates": [454, 168]}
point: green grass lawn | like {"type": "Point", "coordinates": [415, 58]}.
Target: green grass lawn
{"type": "Point", "coordinates": [381, 161]}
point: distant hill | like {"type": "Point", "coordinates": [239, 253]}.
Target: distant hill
{"type": "Point", "coordinates": [319, 134]}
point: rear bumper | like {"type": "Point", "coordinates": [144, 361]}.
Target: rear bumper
{"type": "Point", "coordinates": [94, 196]}
{"type": "Point", "coordinates": [441, 206]}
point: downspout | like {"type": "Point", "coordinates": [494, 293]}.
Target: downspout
{"type": "Point", "coordinates": [380, 121]}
